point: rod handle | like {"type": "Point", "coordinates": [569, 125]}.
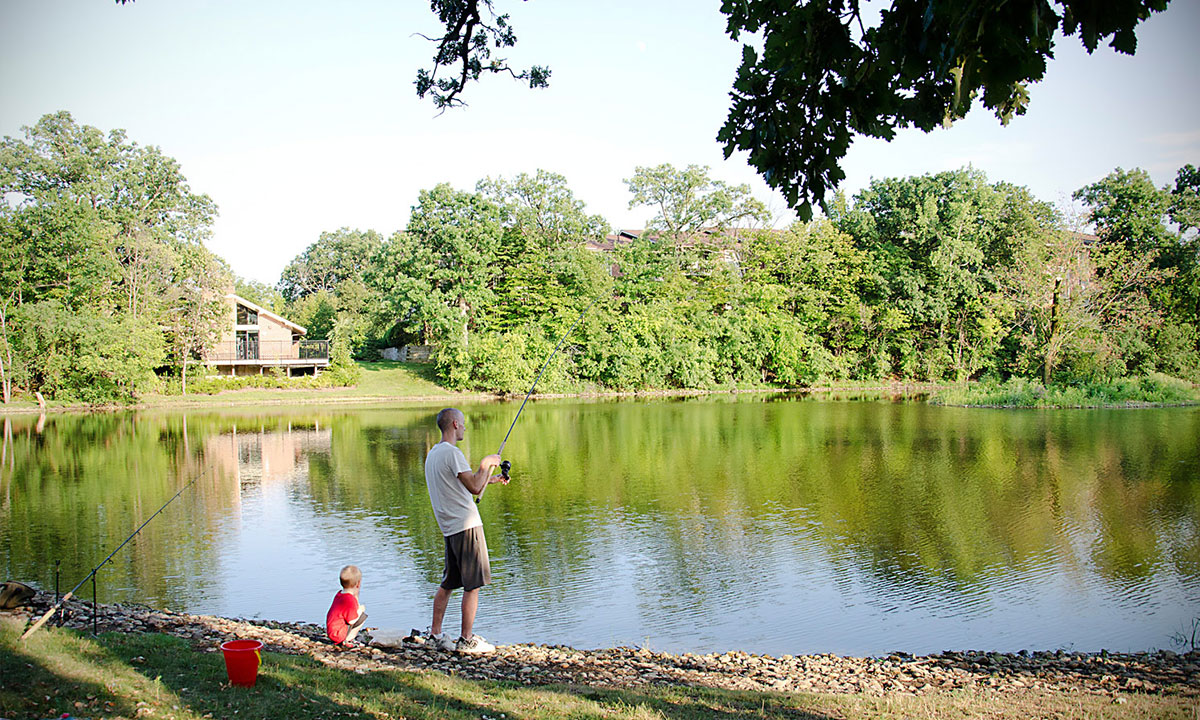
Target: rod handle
{"type": "Point", "coordinates": [41, 621]}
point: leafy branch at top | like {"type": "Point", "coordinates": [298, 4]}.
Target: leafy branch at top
{"type": "Point", "coordinates": [467, 45]}
{"type": "Point", "coordinates": [823, 76]}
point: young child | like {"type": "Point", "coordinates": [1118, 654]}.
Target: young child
{"type": "Point", "coordinates": [346, 615]}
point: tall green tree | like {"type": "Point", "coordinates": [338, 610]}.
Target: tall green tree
{"type": "Point", "coordinates": [1075, 305]}
{"type": "Point", "coordinates": [1128, 210]}
{"type": "Point", "coordinates": [543, 263]}
{"type": "Point", "coordinates": [260, 293]}
{"type": "Point", "coordinates": [935, 243]}
{"type": "Point", "coordinates": [1133, 219]}
{"type": "Point", "coordinates": [437, 278]}
{"type": "Point", "coordinates": [91, 241]}
{"type": "Point", "coordinates": [335, 257]}
{"type": "Point", "coordinates": [688, 201]}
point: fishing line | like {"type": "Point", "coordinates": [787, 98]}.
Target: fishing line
{"type": "Point", "coordinates": [92, 574]}
{"type": "Point", "coordinates": [505, 466]}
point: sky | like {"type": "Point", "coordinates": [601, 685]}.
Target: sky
{"type": "Point", "coordinates": [301, 117]}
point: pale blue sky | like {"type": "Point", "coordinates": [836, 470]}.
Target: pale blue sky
{"type": "Point", "coordinates": [299, 117]}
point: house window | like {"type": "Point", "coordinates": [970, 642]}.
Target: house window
{"type": "Point", "coordinates": [246, 316]}
{"type": "Point", "coordinates": [247, 344]}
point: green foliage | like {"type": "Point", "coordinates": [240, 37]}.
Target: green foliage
{"type": "Point", "coordinates": [101, 255]}
{"type": "Point", "coordinates": [1155, 388]}
{"type": "Point", "coordinates": [336, 257]}
{"type": "Point", "coordinates": [935, 246]}
{"type": "Point", "coordinates": [1128, 210]}
{"type": "Point", "coordinates": [314, 312]}
{"type": "Point", "coordinates": [688, 201]}
{"type": "Point", "coordinates": [1185, 199]}
{"type": "Point", "coordinates": [342, 368]}
{"type": "Point", "coordinates": [216, 384]}
{"type": "Point", "coordinates": [261, 294]}
{"type": "Point", "coordinates": [1133, 219]}
{"type": "Point", "coordinates": [824, 73]}
{"type": "Point", "coordinates": [940, 277]}
{"type": "Point", "coordinates": [470, 39]}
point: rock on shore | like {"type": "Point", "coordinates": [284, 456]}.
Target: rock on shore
{"type": "Point", "coordinates": [1101, 673]}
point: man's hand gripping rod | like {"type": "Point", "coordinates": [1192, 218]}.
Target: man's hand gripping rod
{"type": "Point", "coordinates": [505, 466]}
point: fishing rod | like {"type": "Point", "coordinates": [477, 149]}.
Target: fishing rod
{"type": "Point", "coordinates": [505, 466]}
{"type": "Point", "coordinates": [41, 621]}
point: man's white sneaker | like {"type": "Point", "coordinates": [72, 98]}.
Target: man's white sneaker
{"type": "Point", "coordinates": [474, 644]}
{"type": "Point", "coordinates": [439, 642]}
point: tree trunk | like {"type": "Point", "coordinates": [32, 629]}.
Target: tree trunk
{"type": "Point", "coordinates": [5, 383]}
{"type": "Point", "coordinates": [5, 380]}
{"type": "Point", "coordinates": [184, 376]}
{"type": "Point", "coordinates": [462, 308]}
{"type": "Point", "coordinates": [1051, 348]}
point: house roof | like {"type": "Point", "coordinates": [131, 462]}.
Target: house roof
{"type": "Point", "coordinates": [263, 311]}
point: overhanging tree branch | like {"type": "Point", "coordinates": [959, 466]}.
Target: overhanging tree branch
{"type": "Point", "coordinates": [469, 42]}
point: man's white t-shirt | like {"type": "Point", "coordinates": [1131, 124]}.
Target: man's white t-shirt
{"type": "Point", "coordinates": [453, 506]}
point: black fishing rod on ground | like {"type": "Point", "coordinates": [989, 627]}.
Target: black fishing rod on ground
{"type": "Point", "coordinates": [506, 466]}
{"type": "Point", "coordinates": [92, 575]}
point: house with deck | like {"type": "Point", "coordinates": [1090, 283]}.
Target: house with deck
{"type": "Point", "coordinates": [254, 338]}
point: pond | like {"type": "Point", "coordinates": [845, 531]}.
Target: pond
{"type": "Point", "coordinates": [769, 524]}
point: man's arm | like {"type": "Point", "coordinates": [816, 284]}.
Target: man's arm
{"type": "Point", "coordinates": [474, 482]}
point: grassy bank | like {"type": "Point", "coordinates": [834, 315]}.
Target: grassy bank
{"type": "Point", "coordinates": [397, 382]}
{"type": "Point", "coordinates": [1152, 390]}
{"type": "Point", "coordinates": [131, 675]}
{"type": "Point", "coordinates": [379, 382]}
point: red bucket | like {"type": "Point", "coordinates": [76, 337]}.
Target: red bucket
{"type": "Point", "coordinates": [242, 658]}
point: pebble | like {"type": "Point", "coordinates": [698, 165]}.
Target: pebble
{"type": "Point", "coordinates": [1106, 673]}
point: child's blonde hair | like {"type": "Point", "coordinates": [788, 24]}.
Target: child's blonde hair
{"type": "Point", "coordinates": [350, 576]}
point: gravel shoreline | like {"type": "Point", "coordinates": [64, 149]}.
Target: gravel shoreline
{"type": "Point", "coordinates": [1103, 673]}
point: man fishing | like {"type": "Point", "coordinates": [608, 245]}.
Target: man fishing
{"type": "Point", "coordinates": [451, 484]}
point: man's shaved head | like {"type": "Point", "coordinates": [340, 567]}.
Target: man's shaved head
{"type": "Point", "coordinates": [447, 416]}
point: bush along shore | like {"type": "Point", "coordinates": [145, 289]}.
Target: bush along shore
{"type": "Point", "coordinates": [1153, 390]}
{"type": "Point", "coordinates": [1105, 674]}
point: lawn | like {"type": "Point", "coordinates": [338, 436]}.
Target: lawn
{"type": "Point", "coordinates": [130, 675]}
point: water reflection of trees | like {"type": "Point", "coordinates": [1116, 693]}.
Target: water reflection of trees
{"type": "Point", "coordinates": [906, 494]}
{"type": "Point", "coordinates": [83, 483]}
{"type": "Point", "coordinates": [917, 493]}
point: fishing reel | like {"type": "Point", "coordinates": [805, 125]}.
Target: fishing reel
{"type": "Point", "coordinates": [505, 466]}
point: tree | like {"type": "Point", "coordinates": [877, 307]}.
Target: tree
{"type": "Point", "coordinates": [827, 72]}
{"type": "Point", "coordinates": [436, 279]}
{"type": "Point", "coordinates": [260, 293]}
{"type": "Point", "coordinates": [542, 210]}
{"type": "Point", "coordinates": [469, 42]}
{"type": "Point", "coordinates": [935, 243]}
{"type": "Point", "coordinates": [688, 201]}
{"type": "Point", "coordinates": [91, 238]}
{"type": "Point", "coordinates": [1072, 299]}
{"type": "Point", "coordinates": [1128, 210]}
{"type": "Point", "coordinates": [196, 306]}
{"type": "Point", "coordinates": [1134, 216]}
{"type": "Point", "coordinates": [542, 261]}
{"type": "Point", "coordinates": [1185, 199]}
{"type": "Point", "coordinates": [335, 257]}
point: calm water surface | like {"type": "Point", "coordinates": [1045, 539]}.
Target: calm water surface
{"type": "Point", "coordinates": [772, 525]}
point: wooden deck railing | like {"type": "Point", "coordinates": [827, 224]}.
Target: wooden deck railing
{"type": "Point", "coordinates": [270, 351]}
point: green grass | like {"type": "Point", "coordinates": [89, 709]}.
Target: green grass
{"type": "Point", "coordinates": [119, 675]}
{"type": "Point", "coordinates": [379, 381]}
{"type": "Point", "coordinates": [1153, 389]}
